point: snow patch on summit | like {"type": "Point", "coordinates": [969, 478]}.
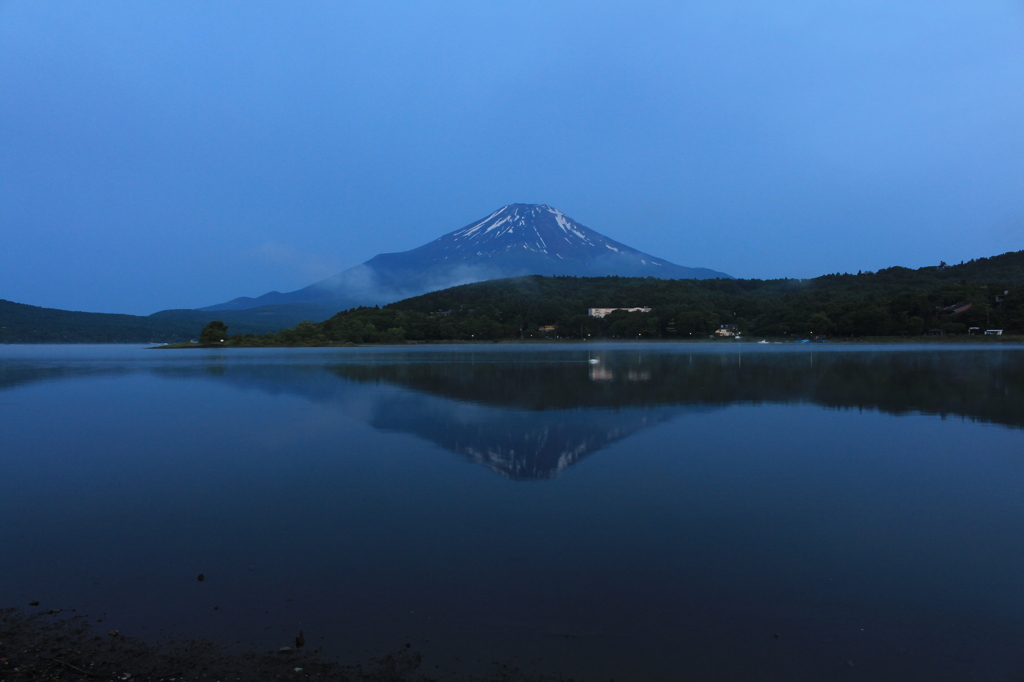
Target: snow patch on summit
{"type": "Point", "coordinates": [501, 225]}
{"type": "Point", "coordinates": [498, 224]}
{"type": "Point", "coordinates": [568, 226]}
{"type": "Point", "coordinates": [520, 238]}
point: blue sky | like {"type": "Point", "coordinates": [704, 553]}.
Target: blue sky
{"type": "Point", "coordinates": [177, 154]}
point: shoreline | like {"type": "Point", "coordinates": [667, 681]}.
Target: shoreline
{"type": "Point", "coordinates": [860, 340]}
{"type": "Point", "coordinates": [62, 645]}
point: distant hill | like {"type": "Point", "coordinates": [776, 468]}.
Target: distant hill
{"type": "Point", "coordinates": [21, 323]}
{"type": "Point", "coordinates": [265, 318]}
{"type": "Point", "coordinates": [515, 240]}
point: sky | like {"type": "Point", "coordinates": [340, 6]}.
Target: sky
{"type": "Point", "coordinates": [178, 154]}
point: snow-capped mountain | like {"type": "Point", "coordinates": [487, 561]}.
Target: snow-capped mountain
{"type": "Point", "coordinates": [544, 237]}
{"type": "Point", "coordinates": [518, 239]}
{"type": "Point", "coordinates": [530, 232]}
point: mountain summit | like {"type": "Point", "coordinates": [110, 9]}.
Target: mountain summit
{"type": "Point", "coordinates": [538, 238]}
{"type": "Point", "coordinates": [518, 239]}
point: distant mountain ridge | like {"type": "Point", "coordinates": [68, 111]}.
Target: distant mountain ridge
{"type": "Point", "coordinates": [515, 240]}
{"type": "Point", "coordinates": [22, 323]}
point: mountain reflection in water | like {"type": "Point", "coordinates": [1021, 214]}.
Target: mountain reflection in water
{"type": "Point", "coordinates": [532, 414]}
{"type": "Point", "coordinates": [520, 444]}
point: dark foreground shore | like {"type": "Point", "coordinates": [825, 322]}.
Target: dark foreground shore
{"type": "Point", "coordinates": [63, 645]}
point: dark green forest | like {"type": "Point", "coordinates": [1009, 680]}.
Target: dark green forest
{"type": "Point", "coordinates": [946, 299]}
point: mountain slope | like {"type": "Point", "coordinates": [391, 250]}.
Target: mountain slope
{"type": "Point", "coordinates": [519, 239]}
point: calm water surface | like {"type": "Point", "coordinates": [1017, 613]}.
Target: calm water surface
{"type": "Point", "coordinates": [632, 512]}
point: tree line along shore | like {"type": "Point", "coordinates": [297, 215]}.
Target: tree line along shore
{"type": "Point", "coordinates": [958, 300]}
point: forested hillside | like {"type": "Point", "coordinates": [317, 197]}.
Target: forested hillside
{"type": "Point", "coordinates": [892, 302]}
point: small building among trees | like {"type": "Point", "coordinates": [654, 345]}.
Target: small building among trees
{"type": "Point", "coordinates": [601, 312]}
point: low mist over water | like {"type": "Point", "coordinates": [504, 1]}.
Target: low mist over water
{"type": "Point", "coordinates": [634, 512]}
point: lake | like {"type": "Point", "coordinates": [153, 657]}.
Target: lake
{"type": "Point", "coordinates": [714, 511]}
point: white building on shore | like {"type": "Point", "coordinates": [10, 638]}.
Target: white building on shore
{"type": "Point", "coordinates": [601, 312]}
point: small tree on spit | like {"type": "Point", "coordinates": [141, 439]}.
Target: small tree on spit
{"type": "Point", "coordinates": [214, 332]}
